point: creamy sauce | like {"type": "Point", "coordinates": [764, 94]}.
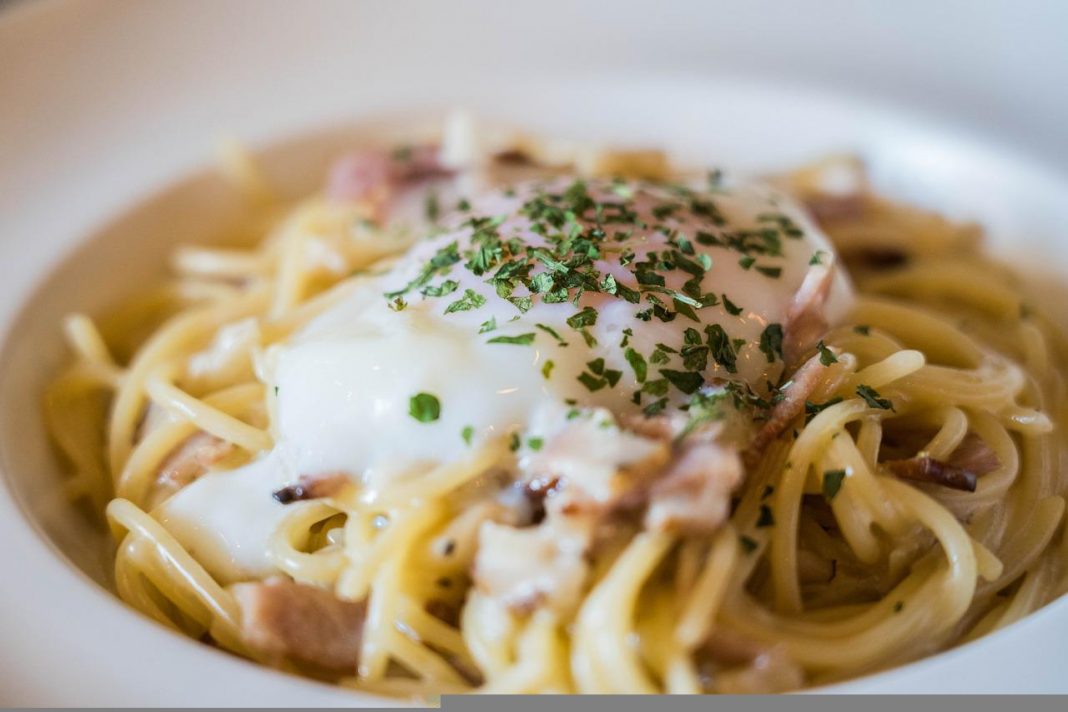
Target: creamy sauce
{"type": "Point", "coordinates": [225, 519]}
{"type": "Point", "coordinates": [345, 382]}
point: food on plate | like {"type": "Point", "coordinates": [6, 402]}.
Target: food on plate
{"type": "Point", "coordinates": [491, 412]}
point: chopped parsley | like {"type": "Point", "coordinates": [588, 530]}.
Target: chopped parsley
{"type": "Point", "coordinates": [873, 399]}
{"type": "Point", "coordinates": [593, 383]}
{"type": "Point", "coordinates": [722, 348]}
{"type": "Point", "coordinates": [749, 545]}
{"type": "Point", "coordinates": [832, 482]}
{"type": "Point", "coordinates": [553, 333]}
{"type": "Point", "coordinates": [827, 356]}
{"type": "Point", "coordinates": [432, 208]}
{"type": "Point", "coordinates": [470, 300]}
{"type": "Point", "coordinates": [535, 443]}
{"type": "Point", "coordinates": [488, 325]}
{"type": "Point", "coordinates": [862, 329]}
{"type": "Point", "coordinates": [547, 368]}
{"type": "Point", "coordinates": [637, 363]}
{"type": "Point", "coordinates": [518, 340]}
{"type": "Point", "coordinates": [814, 409]}
{"type": "Point", "coordinates": [732, 308]}
{"type": "Point", "coordinates": [447, 287]}
{"type": "Point", "coordinates": [468, 434]}
{"type": "Point", "coordinates": [766, 518]}
{"type": "Point", "coordinates": [686, 381]}
{"type": "Point", "coordinates": [771, 342]}
{"type": "Point", "coordinates": [424, 407]}
{"type": "Point", "coordinates": [584, 318]}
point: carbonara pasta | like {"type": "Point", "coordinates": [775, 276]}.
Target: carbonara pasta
{"type": "Point", "coordinates": [520, 416]}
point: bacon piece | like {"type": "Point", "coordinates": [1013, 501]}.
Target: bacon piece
{"type": "Point", "coordinates": [375, 174]}
{"type": "Point", "coordinates": [747, 665]}
{"type": "Point", "coordinates": [974, 455]}
{"type": "Point", "coordinates": [693, 495]}
{"type": "Point", "coordinates": [831, 207]}
{"type": "Point", "coordinates": [526, 568]}
{"type": "Point", "coordinates": [282, 619]}
{"type": "Point", "coordinates": [728, 647]}
{"type": "Point", "coordinates": [804, 382]}
{"type": "Point", "coordinates": [191, 459]}
{"type": "Point", "coordinates": [928, 469]}
{"type": "Point", "coordinates": [312, 487]}
{"type": "Point", "coordinates": [806, 322]}
{"type": "Point", "coordinates": [665, 427]}
{"type": "Point", "coordinates": [771, 672]}
{"type": "Point", "coordinates": [597, 467]}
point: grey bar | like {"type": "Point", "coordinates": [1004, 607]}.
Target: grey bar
{"type": "Point", "coordinates": [757, 703]}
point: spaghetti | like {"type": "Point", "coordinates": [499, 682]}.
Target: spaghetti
{"type": "Point", "coordinates": [848, 540]}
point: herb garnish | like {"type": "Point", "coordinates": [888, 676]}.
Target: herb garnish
{"type": "Point", "coordinates": [519, 340]}
{"type": "Point", "coordinates": [832, 482]}
{"type": "Point", "coordinates": [766, 518]}
{"type": "Point", "coordinates": [771, 342]}
{"type": "Point", "coordinates": [814, 409]}
{"type": "Point", "coordinates": [637, 363]}
{"type": "Point", "coordinates": [873, 399]}
{"type": "Point", "coordinates": [424, 407]}
{"type": "Point", "coordinates": [547, 369]}
{"type": "Point", "coordinates": [470, 300]}
{"type": "Point", "coordinates": [827, 356]}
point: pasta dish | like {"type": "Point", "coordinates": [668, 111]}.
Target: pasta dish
{"type": "Point", "coordinates": [504, 414]}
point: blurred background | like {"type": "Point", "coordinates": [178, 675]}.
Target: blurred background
{"type": "Point", "coordinates": [995, 66]}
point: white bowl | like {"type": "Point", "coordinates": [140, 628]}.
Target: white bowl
{"type": "Point", "coordinates": [112, 109]}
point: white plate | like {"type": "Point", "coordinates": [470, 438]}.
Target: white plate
{"type": "Point", "coordinates": [103, 104]}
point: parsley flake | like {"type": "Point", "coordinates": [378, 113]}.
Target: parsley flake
{"type": "Point", "coordinates": [686, 381]}
{"type": "Point", "coordinates": [424, 407]}
{"type": "Point", "coordinates": [732, 308]}
{"type": "Point", "coordinates": [547, 369]}
{"type": "Point", "coordinates": [771, 342]}
{"type": "Point", "coordinates": [832, 482]}
{"type": "Point", "coordinates": [470, 300]}
{"type": "Point", "coordinates": [814, 409]}
{"type": "Point", "coordinates": [827, 356]}
{"type": "Point", "coordinates": [766, 518]}
{"type": "Point", "coordinates": [873, 399]}
{"type": "Point", "coordinates": [585, 317]}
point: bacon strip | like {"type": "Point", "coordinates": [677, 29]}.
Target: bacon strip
{"type": "Point", "coordinates": [694, 493]}
{"type": "Point", "coordinates": [282, 619]}
{"type": "Point", "coordinates": [804, 382]}
{"type": "Point", "coordinates": [375, 174]}
{"type": "Point", "coordinates": [191, 459]}
{"type": "Point", "coordinates": [830, 207]}
{"type": "Point", "coordinates": [928, 469]}
{"type": "Point", "coordinates": [806, 321]}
